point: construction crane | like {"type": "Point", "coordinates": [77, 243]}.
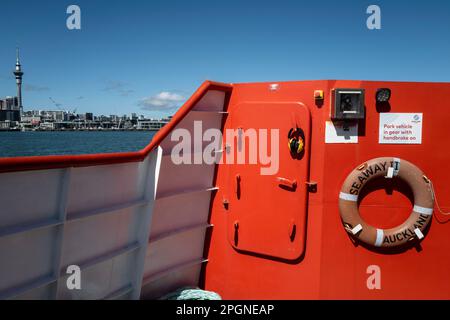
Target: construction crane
{"type": "Point", "coordinates": [57, 105]}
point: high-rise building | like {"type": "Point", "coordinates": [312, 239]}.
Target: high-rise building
{"type": "Point", "coordinates": [89, 116]}
{"type": "Point", "coordinates": [18, 74]}
{"type": "Point", "coordinates": [11, 107]}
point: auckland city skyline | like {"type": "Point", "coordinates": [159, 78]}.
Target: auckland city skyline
{"type": "Point", "coordinates": [144, 57]}
{"type": "Point", "coordinates": [13, 117]}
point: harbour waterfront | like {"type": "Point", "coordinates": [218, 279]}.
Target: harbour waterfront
{"type": "Point", "coordinates": [16, 144]}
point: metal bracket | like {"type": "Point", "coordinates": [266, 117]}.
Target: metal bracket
{"type": "Point", "coordinates": [311, 186]}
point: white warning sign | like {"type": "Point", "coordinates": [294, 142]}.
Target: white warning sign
{"type": "Point", "coordinates": [400, 128]}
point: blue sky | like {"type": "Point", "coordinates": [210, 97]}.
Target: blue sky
{"type": "Point", "coordinates": [148, 56]}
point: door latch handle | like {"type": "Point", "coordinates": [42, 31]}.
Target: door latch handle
{"type": "Point", "coordinates": [287, 183]}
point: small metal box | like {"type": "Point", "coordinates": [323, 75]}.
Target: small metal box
{"type": "Point", "coordinates": [347, 104]}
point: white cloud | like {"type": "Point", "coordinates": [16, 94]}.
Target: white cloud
{"type": "Point", "coordinates": [163, 101]}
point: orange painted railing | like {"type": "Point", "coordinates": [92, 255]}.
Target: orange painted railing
{"type": "Point", "coordinates": [84, 160]}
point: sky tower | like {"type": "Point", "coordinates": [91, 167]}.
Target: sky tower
{"type": "Point", "coordinates": [18, 74]}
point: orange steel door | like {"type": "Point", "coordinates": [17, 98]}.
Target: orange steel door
{"type": "Point", "coordinates": [267, 212]}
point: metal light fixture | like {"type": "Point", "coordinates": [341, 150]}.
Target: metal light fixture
{"type": "Point", "coordinates": [383, 95]}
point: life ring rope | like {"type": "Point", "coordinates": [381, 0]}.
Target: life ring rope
{"type": "Point", "coordinates": [437, 204]}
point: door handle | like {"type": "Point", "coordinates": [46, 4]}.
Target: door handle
{"type": "Point", "coordinates": [287, 183]}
